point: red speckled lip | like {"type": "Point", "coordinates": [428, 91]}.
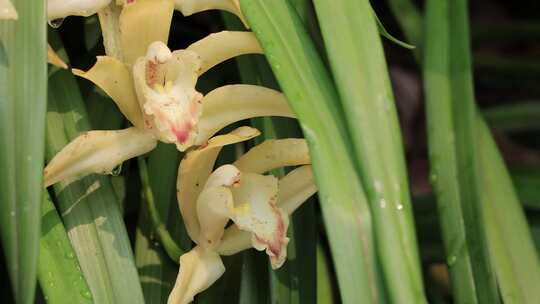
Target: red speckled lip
{"type": "Point", "coordinates": [151, 71]}
{"type": "Point", "coordinates": [279, 240]}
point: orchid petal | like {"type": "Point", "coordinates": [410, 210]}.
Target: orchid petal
{"type": "Point", "coordinates": [218, 47]}
{"type": "Point", "coordinates": [58, 9]}
{"type": "Point", "coordinates": [294, 189]}
{"type": "Point", "coordinates": [143, 22]}
{"type": "Point", "coordinates": [273, 154]}
{"type": "Point", "coordinates": [113, 77]}
{"type": "Point", "coordinates": [190, 7]}
{"type": "Point", "coordinates": [194, 171]}
{"type": "Point", "coordinates": [213, 214]}
{"type": "Point", "coordinates": [199, 269]}
{"type": "Point", "coordinates": [97, 152]}
{"type": "Point", "coordinates": [214, 204]}
{"type": "Point", "coordinates": [165, 86]}
{"type": "Point", "coordinates": [226, 175]}
{"type": "Point", "coordinates": [234, 241]}
{"type": "Point", "coordinates": [228, 104]}
{"type": "Point", "coordinates": [110, 30]}
{"type": "Point", "coordinates": [7, 11]}
{"type": "Point", "coordinates": [54, 59]}
{"type": "Point", "coordinates": [255, 210]}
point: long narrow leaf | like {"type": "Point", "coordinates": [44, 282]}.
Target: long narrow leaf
{"type": "Point", "coordinates": [510, 241]}
{"type": "Point", "coordinates": [309, 88]}
{"type": "Point", "coordinates": [359, 67]}
{"type": "Point", "coordinates": [464, 120]}
{"type": "Point", "coordinates": [507, 267]}
{"type": "Point", "coordinates": [23, 91]}
{"type": "Point", "coordinates": [324, 278]}
{"type": "Point", "coordinates": [451, 124]}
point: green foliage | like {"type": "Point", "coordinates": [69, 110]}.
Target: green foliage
{"type": "Point", "coordinates": [23, 96]}
{"type": "Point", "coordinates": [474, 237]}
{"type": "Point", "coordinates": [371, 118]}
{"type": "Point", "coordinates": [59, 273]}
{"type": "Point", "coordinates": [309, 88]}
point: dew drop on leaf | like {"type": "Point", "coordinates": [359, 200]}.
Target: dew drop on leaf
{"type": "Point", "coordinates": [86, 294]}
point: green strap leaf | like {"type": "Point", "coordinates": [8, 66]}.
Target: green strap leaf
{"type": "Point", "coordinates": [309, 88]}
{"type": "Point", "coordinates": [451, 137]}
{"type": "Point", "coordinates": [23, 92]}
{"type": "Point", "coordinates": [359, 68]}
{"type": "Point", "coordinates": [509, 239]}
{"type": "Point", "coordinates": [59, 273]}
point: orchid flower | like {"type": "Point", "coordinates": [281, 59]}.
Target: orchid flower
{"type": "Point", "coordinates": [156, 90]}
{"type": "Point", "coordinates": [258, 205]}
{"type": "Point", "coordinates": [7, 11]}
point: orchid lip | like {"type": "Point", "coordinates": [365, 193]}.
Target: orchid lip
{"type": "Point", "coordinates": [165, 87]}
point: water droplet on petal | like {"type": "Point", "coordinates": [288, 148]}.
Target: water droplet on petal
{"type": "Point", "coordinates": [56, 23]}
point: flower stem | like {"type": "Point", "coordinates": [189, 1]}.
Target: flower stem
{"type": "Point", "coordinates": [173, 250]}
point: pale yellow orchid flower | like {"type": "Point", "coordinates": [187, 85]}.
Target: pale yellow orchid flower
{"type": "Point", "coordinates": [155, 90]}
{"type": "Point", "coordinates": [7, 11]}
{"type": "Point", "coordinates": [258, 205]}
